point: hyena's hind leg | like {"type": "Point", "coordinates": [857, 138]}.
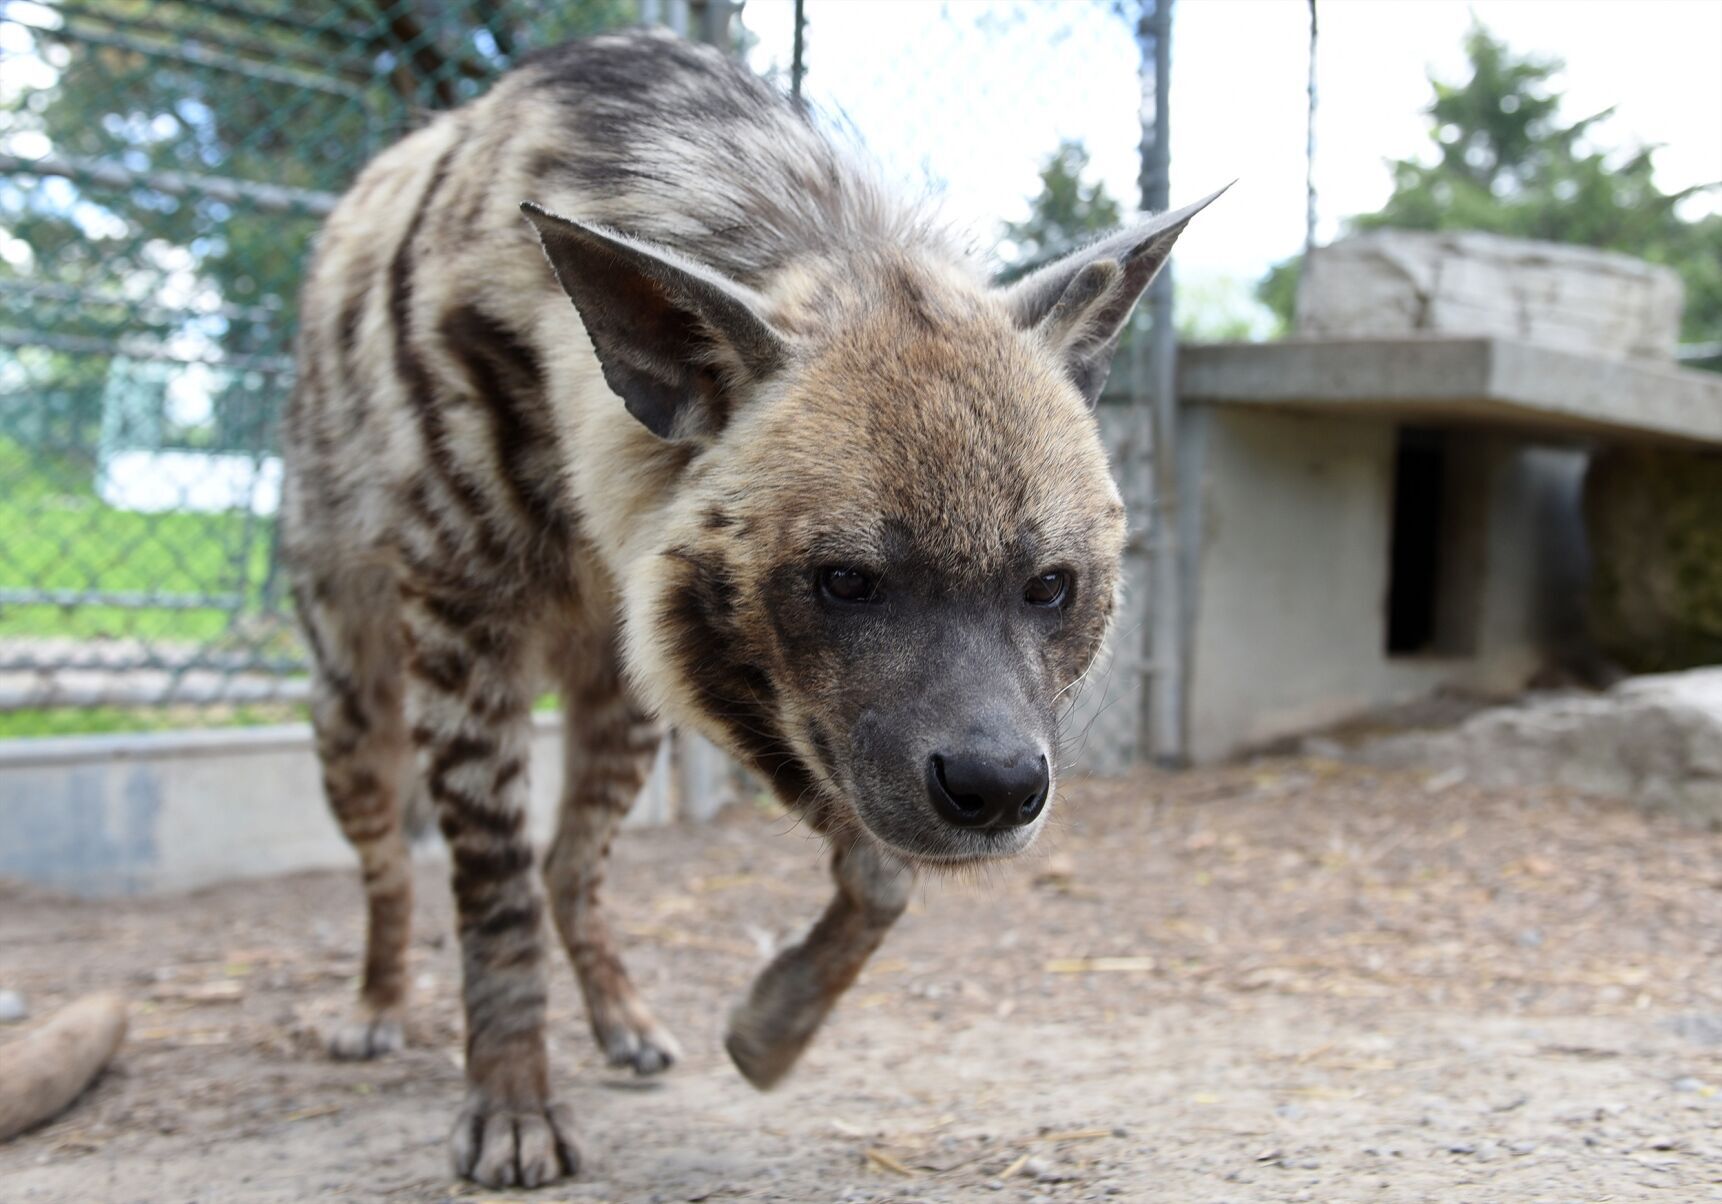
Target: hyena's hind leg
{"type": "Point", "coordinates": [353, 628]}
{"type": "Point", "coordinates": [608, 747]}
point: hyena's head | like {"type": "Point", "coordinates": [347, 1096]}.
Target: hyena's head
{"type": "Point", "coordinates": [894, 543]}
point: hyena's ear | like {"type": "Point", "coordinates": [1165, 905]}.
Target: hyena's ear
{"type": "Point", "coordinates": [676, 340]}
{"type": "Point", "coordinates": [1079, 304]}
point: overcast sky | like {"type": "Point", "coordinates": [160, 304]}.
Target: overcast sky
{"type": "Point", "coordinates": [972, 95]}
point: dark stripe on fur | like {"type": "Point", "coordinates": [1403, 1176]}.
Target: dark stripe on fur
{"type": "Point", "coordinates": [697, 622]}
{"type": "Point", "coordinates": [416, 378]}
{"type": "Point", "coordinates": [508, 381]}
{"type": "Point", "coordinates": [505, 919]}
{"type": "Point", "coordinates": [486, 866]}
{"type": "Point", "coordinates": [444, 668]}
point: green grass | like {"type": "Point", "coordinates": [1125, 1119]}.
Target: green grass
{"type": "Point", "coordinates": [86, 721]}
{"type": "Point", "coordinates": [56, 534]}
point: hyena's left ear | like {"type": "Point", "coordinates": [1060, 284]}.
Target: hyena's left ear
{"type": "Point", "coordinates": [675, 339]}
{"type": "Point", "coordinates": [1079, 304]}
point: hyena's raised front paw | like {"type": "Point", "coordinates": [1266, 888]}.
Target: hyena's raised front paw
{"type": "Point", "coordinates": [367, 1034]}
{"type": "Point", "coordinates": [501, 1146]}
{"type": "Point", "coordinates": [765, 1044]}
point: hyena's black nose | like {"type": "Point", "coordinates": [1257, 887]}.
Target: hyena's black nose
{"type": "Point", "coordinates": [974, 791]}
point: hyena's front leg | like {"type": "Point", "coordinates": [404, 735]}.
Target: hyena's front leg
{"type": "Point", "coordinates": [608, 746]}
{"type": "Point", "coordinates": [793, 995]}
{"type": "Point", "coordinates": [470, 705]}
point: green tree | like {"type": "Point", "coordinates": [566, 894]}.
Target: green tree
{"type": "Point", "coordinates": [1069, 210]}
{"type": "Point", "coordinates": [293, 98]}
{"type": "Point", "coordinates": [1506, 161]}
{"type": "Point", "coordinates": [1065, 212]}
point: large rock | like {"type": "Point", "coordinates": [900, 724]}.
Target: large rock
{"type": "Point", "coordinates": [1656, 741]}
{"type": "Point", "coordinates": [1653, 517]}
{"type": "Point", "coordinates": [1397, 282]}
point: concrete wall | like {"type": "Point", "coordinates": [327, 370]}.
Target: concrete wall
{"type": "Point", "coordinates": [113, 815]}
{"type": "Point", "coordinates": [1287, 528]}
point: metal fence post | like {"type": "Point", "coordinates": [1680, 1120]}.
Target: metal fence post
{"type": "Point", "coordinates": [1163, 689]}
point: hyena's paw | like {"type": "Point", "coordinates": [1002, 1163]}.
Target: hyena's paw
{"type": "Point", "coordinates": [367, 1034]}
{"type": "Point", "coordinates": [637, 1040]}
{"type": "Point", "coordinates": [762, 1051]}
{"type": "Point", "coordinates": [500, 1146]}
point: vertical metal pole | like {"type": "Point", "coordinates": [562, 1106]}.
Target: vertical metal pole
{"type": "Point", "coordinates": [676, 16]}
{"type": "Point", "coordinates": [798, 61]}
{"type": "Point", "coordinates": [1309, 148]}
{"type": "Point", "coordinates": [1163, 691]}
{"type": "Point", "coordinates": [714, 23]}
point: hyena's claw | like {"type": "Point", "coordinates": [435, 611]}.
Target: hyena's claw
{"type": "Point", "coordinates": [366, 1036]}
{"type": "Point", "coordinates": [648, 1048]}
{"type": "Point", "coordinates": [503, 1147]}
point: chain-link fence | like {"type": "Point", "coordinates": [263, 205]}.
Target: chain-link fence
{"type": "Point", "coordinates": [164, 165]}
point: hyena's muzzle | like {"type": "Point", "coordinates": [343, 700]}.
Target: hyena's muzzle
{"type": "Point", "coordinates": [955, 762]}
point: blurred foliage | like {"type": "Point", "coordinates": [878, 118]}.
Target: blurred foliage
{"type": "Point", "coordinates": [270, 93]}
{"type": "Point", "coordinates": [1068, 211]}
{"type": "Point", "coordinates": [1214, 310]}
{"type": "Point", "coordinates": [1505, 162]}
{"type": "Point", "coordinates": [1064, 214]}
{"type": "Point", "coordinates": [1653, 518]}
{"type": "Point", "coordinates": [149, 284]}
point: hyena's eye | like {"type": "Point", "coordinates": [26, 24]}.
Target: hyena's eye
{"type": "Point", "coordinates": [849, 585]}
{"type": "Point", "coordinates": [1048, 589]}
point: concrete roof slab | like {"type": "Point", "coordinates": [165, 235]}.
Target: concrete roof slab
{"type": "Point", "coordinates": [1462, 380]}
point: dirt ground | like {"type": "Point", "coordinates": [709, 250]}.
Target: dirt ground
{"type": "Point", "coordinates": [1285, 981]}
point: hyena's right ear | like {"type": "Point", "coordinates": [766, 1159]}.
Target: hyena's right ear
{"type": "Point", "coordinates": [676, 340]}
{"type": "Point", "coordinates": [1079, 304]}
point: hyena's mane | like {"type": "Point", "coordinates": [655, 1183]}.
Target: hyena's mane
{"type": "Point", "coordinates": [681, 146]}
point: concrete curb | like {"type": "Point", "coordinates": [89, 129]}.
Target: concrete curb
{"type": "Point", "coordinates": [144, 812]}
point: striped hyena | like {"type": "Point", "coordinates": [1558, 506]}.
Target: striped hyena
{"type": "Point", "coordinates": [788, 471]}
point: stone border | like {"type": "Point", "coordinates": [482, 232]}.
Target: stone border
{"type": "Point", "coordinates": [141, 812]}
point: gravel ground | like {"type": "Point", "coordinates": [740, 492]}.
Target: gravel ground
{"type": "Point", "coordinates": [1290, 980]}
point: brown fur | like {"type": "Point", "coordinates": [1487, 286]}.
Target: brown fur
{"type": "Point", "coordinates": [774, 371]}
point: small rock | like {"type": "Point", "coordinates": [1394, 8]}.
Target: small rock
{"type": "Point", "coordinates": [1520, 1148]}
{"type": "Point", "coordinates": [1688, 1083]}
{"type": "Point", "coordinates": [1462, 1147]}
{"type": "Point", "coordinates": [1043, 1171]}
{"type": "Point", "coordinates": [1704, 1029]}
{"type": "Point", "coordinates": [12, 1007]}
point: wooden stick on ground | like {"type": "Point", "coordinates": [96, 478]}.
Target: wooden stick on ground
{"type": "Point", "coordinates": [41, 1073]}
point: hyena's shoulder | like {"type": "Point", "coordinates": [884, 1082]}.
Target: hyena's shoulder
{"type": "Point", "coordinates": [439, 368]}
